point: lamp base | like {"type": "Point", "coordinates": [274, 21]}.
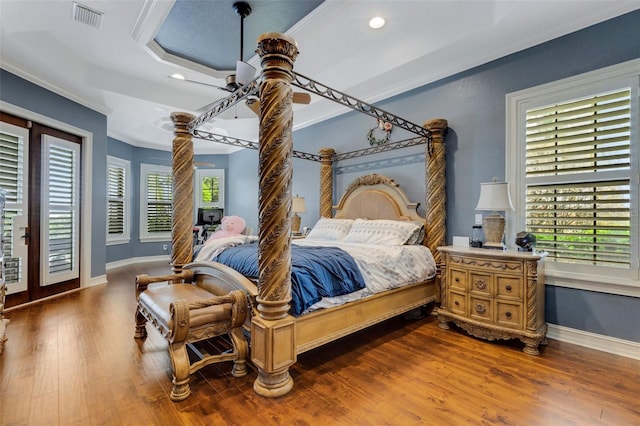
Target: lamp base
{"type": "Point", "coordinates": [295, 224]}
{"type": "Point", "coordinates": [493, 231]}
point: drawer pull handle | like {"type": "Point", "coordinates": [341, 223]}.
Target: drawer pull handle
{"type": "Point", "coordinates": [480, 308]}
{"type": "Point", "coordinates": [481, 284]}
{"type": "Point", "coordinates": [456, 303]}
{"type": "Point", "coordinates": [508, 288]}
{"type": "Point", "coordinates": [508, 314]}
{"type": "Point", "coordinates": [457, 280]}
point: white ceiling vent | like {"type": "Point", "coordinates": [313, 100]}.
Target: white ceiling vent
{"type": "Point", "coordinates": [86, 15]}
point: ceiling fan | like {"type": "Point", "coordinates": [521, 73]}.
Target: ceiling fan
{"type": "Point", "coordinates": [245, 73]}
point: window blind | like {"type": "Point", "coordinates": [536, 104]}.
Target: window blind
{"type": "Point", "coordinates": [11, 180]}
{"type": "Point", "coordinates": [61, 195]}
{"type": "Point", "coordinates": [578, 156]}
{"type": "Point", "coordinates": [159, 202]}
{"type": "Point", "coordinates": [116, 200]}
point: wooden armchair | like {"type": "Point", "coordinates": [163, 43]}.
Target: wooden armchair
{"type": "Point", "coordinates": [185, 313]}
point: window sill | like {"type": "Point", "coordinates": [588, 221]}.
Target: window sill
{"type": "Point", "coordinates": [114, 241]}
{"type": "Point", "coordinates": [610, 285]}
{"type": "Point", "coordinates": [156, 239]}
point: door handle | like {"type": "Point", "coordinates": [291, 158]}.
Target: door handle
{"type": "Point", "coordinates": [26, 235]}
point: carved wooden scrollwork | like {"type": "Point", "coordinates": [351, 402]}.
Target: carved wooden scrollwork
{"type": "Point", "coordinates": [182, 205]}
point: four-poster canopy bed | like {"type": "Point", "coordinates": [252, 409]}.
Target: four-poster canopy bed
{"type": "Point", "coordinates": [276, 336]}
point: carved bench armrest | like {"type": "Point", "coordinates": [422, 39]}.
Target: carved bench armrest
{"type": "Point", "coordinates": [143, 280]}
{"type": "Point", "coordinates": [180, 312]}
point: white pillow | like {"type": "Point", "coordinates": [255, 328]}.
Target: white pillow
{"type": "Point", "coordinates": [328, 229]}
{"type": "Point", "coordinates": [382, 231]}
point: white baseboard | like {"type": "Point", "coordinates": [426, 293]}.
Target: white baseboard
{"type": "Point", "coordinates": [100, 279]}
{"type": "Point", "coordinates": [133, 260]}
{"type": "Point", "coordinates": [599, 342]}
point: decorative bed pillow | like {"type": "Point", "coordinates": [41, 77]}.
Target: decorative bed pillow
{"type": "Point", "coordinates": [418, 235]}
{"type": "Point", "coordinates": [382, 231]}
{"type": "Point", "coordinates": [328, 229]}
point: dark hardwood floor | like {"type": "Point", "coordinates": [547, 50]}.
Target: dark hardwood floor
{"type": "Point", "coordinates": [73, 360]}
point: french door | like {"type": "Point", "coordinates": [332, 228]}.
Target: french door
{"type": "Point", "coordinates": [41, 173]}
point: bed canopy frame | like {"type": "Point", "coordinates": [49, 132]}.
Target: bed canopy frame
{"type": "Point", "coordinates": [273, 329]}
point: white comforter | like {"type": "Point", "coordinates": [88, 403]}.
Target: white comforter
{"type": "Point", "coordinates": [382, 267]}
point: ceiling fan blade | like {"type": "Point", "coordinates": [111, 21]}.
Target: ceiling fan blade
{"type": "Point", "coordinates": [301, 98]}
{"type": "Point", "coordinates": [245, 73]}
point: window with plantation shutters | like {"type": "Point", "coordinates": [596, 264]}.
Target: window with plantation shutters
{"type": "Point", "coordinates": [575, 169]}
{"type": "Point", "coordinates": [13, 180]}
{"type": "Point", "coordinates": [578, 179]}
{"type": "Point", "coordinates": [60, 205]}
{"type": "Point", "coordinates": [156, 198]}
{"type": "Point", "coordinates": [118, 190]}
{"type": "Point", "coordinates": [209, 189]}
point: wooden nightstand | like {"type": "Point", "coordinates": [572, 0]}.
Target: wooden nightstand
{"type": "Point", "coordinates": [494, 294]}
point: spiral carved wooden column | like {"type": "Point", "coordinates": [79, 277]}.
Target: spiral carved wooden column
{"type": "Point", "coordinates": [273, 331]}
{"type": "Point", "coordinates": [436, 198]}
{"type": "Point", "coordinates": [326, 181]}
{"type": "Point", "coordinates": [182, 205]}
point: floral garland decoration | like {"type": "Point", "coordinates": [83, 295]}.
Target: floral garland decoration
{"type": "Point", "coordinates": [385, 127]}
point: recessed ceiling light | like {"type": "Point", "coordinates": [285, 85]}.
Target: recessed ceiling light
{"type": "Point", "coordinates": [377, 22]}
{"type": "Point", "coordinates": [177, 76]}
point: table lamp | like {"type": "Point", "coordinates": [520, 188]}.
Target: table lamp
{"type": "Point", "coordinates": [297, 206]}
{"type": "Point", "coordinates": [494, 197]}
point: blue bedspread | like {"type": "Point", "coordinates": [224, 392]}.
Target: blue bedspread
{"type": "Point", "coordinates": [316, 272]}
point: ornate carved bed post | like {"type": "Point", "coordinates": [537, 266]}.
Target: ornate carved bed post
{"type": "Point", "coordinates": [436, 195]}
{"type": "Point", "coordinates": [182, 205]}
{"type": "Point", "coordinates": [326, 181]}
{"type": "Point", "coordinates": [273, 331]}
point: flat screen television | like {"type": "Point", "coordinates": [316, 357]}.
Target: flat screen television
{"type": "Point", "coordinates": [209, 216]}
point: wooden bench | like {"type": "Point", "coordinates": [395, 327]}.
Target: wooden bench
{"type": "Point", "coordinates": [185, 313]}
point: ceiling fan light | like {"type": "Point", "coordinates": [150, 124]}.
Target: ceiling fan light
{"type": "Point", "coordinates": [245, 73]}
{"type": "Point", "coordinates": [376, 22]}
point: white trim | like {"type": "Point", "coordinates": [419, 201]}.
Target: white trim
{"type": "Point", "coordinates": [100, 279]}
{"type": "Point", "coordinates": [622, 282]}
{"type": "Point", "coordinates": [197, 194]}
{"type": "Point", "coordinates": [27, 75]}
{"type": "Point", "coordinates": [46, 276]}
{"type": "Point", "coordinates": [599, 342]}
{"type": "Point", "coordinates": [135, 260]}
{"type": "Point", "coordinates": [125, 237]}
{"type": "Point", "coordinates": [145, 170]}
{"type": "Point", "coordinates": [87, 180]}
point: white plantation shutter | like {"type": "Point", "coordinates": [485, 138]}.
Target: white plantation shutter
{"type": "Point", "coordinates": [578, 156]}
{"type": "Point", "coordinates": [60, 210]}
{"type": "Point", "coordinates": [156, 203]}
{"type": "Point", "coordinates": [118, 184]}
{"type": "Point", "coordinates": [12, 180]}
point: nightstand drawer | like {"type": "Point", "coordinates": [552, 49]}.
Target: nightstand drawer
{"type": "Point", "coordinates": [481, 284]}
{"type": "Point", "coordinates": [458, 303]}
{"type": "Point", "coordinates": [494, 294]}
{"type": "Point", "coordinates": [509, 287]}
{"type": "Point", "coordinates": [480, 309]}
{"type": "Point", "coordinates": [458, 280]}
{"type": "Point", "coordinates": [509, 315]}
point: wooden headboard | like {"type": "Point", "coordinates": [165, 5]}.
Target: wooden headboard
{"type": "Point", "coordinates": [376, 196]}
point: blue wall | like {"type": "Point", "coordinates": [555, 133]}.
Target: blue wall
{"type": "Point", "coordinates": [137, 156]}
{"type": "Point", "coordinates": [28, 96]}
{"type": "Point", "coordinates": [473, 102]}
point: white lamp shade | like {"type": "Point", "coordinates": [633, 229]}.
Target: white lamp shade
{"type": "Point", "coordinates": [245, 73]}
{"type": "Point", "coordinates": [297, 205]}
{"type": "Point", "coordinates": [494, 196]}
